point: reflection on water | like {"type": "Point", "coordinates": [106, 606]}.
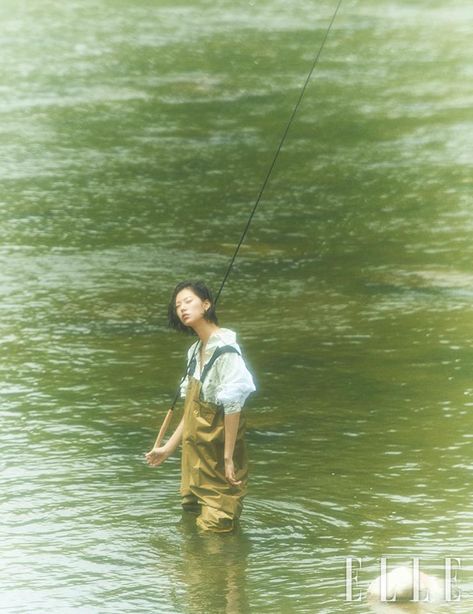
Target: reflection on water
{"type": "Point", "coordinates": [134, 141]}
{"type": "Point", "coordinates": [212, 570]}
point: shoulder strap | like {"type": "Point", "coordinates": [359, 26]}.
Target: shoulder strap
{"type": "Point", "coordinates": [224, 349]}
{"type": "Point", "coordinates": [193, 362]}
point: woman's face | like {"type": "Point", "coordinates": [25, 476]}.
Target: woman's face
{"type": "Point", "coordinates": [190, 309]}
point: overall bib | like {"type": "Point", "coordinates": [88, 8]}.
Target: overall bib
{"type": "Point", "coordinates": [204, 489]}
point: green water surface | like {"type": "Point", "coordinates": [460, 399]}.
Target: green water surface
{"type": "Point", "coordinates": [135, 137]}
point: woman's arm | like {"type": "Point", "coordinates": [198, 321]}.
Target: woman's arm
{"type": "Point", "coordinates": [231, 422]}
{"type": "Point", "coordinates": [156, 456]}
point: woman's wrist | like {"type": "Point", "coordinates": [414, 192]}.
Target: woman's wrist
{"type": "Point", "coordinates": [164, 449]}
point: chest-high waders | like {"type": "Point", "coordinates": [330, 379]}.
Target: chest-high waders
{"type": "Point", "coordinates": [204, 489]}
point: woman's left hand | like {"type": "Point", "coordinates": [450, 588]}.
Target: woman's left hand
{"type": "Point", "coordinates": [230, 473]}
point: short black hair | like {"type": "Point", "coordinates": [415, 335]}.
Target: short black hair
{"type": "Point", "coordinates": [200, 290]}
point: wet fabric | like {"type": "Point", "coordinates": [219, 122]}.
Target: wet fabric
{"type": "Point", "coordinates": [204, 489]}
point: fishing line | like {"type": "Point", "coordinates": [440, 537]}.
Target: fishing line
{"type": "Point", "coordinates": [278, 150]}
{"type": "Point", "coordinates": [168, 417]}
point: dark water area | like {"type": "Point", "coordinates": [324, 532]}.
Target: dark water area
{"type": "Point", "coordinates": [135, 138]}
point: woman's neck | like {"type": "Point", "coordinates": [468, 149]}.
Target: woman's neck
{"type": "Point", "coordinates": [205, 329]}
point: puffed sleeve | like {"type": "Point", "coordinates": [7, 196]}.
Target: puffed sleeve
{"type": "Point", "coordinates": [235, 382]}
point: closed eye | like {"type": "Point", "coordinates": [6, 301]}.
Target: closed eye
{"type": "Point", "coordinates": [186, 300]}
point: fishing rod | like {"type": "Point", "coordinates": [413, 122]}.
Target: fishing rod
{"type": "Point", "coordinates": [168, 417]}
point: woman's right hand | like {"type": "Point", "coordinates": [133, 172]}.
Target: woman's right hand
{"type": "Point", "coordinates": [156, 456]}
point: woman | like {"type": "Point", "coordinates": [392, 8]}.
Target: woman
{"type": "Point", "coordinates": [216, 386]}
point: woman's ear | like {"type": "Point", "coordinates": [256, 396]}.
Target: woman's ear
{"type": "Point", "coordinates": [206, 304]}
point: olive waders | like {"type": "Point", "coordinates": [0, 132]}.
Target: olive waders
{"type": "Point", "coordinates": [204, 489]}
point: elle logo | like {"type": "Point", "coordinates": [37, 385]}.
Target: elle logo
{"type": "Point", "coordinates": [404, 583]}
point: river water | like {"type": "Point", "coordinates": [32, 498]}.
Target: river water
{"type": "Point", "coordinates": [135, 136]}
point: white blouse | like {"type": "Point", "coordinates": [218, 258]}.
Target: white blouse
{"type": "Point", "coordinates": [228, 382]}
